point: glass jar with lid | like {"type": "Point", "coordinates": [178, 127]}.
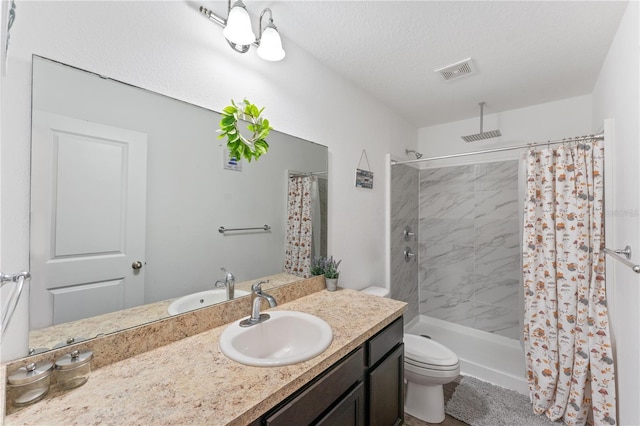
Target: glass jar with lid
{"type": "Point", "coordinates": [30, 383]}
{"type": "Point", "coordinates": [72, 370]}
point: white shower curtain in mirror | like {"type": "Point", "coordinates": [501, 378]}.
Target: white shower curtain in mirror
{"type": "Point", "coordinates": [566, 331]}
{"type": "Point", "coordinates": [298, 244]}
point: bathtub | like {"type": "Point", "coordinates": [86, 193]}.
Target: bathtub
{"type": "Point", "coordinates": [485, 356]}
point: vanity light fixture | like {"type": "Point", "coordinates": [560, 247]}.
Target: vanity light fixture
{"type": "Point", "coordinates": [238, 29]}
{"type": "Point", "coordinates": [270, 43]}
{"type": "Point", "coordinates": [239, 34]}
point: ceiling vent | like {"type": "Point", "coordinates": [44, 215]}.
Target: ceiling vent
{"type": "Point", "coordinates": [457, 70]}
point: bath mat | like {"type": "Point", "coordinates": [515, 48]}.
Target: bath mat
{"type": "Point", "coordinates": [480, 403]}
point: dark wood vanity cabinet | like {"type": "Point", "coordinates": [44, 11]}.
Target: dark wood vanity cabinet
{"type": "Point", "coordinates": [310, 404]}
{"type": "Point", "coordinates": [385, 377]}
{"type": "Point", "coordinates": [366, 387]}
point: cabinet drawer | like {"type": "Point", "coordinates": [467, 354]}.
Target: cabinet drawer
{"type": "Point", "coordinates": [313, 401]}
{"type": "Point", "coordinates": [384, 341]}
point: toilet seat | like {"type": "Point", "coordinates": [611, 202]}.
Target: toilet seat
{"type": "Point", "coordinates": [429, 376]}
{"type": "Point", "coordinates": [426, 353]}
{"type": "Point", "coordinates": [419, 365]}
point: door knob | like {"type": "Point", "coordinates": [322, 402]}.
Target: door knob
{"type": "Point", "coordinates": [136, 265]}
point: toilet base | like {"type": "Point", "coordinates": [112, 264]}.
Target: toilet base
{"type": "Point", "coordinates": [425, 402]}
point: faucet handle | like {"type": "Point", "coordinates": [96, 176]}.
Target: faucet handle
{"type": "Point", "coordinates": [257, 287]}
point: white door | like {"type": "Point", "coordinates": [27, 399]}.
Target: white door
{"type": "Point", "coordinates": [88, 202]}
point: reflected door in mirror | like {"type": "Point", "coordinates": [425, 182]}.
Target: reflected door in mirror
{"type": "Point", "coordinates": [88, 222]}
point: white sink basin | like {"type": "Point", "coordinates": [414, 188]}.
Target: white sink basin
{"type": "Point", "coordinates": [200, 300]}
{"type": "Point", "coordinates": [288, 337]}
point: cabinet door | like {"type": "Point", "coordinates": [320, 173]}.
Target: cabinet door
{"type": "Point", "coordinates": [386, 390]}
{"type": "Point", "coordinates": [313, 401]}
{"type": "Point", "coordinates": [348, 412]}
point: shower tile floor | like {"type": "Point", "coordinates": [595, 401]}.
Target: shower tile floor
{"type": "Point", "coordinates": [448, 420]}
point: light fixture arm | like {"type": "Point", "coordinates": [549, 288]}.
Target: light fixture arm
{"type": "Point", "coordinates": [215, 18]}
{"type": "Point", "coordinates": [260, 29]}
{"type": "Point", "coordinates": [238, 48]}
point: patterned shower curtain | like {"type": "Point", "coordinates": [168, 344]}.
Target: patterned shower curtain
{"type": "Point", "coordinates": [299, 226]}
{"type": "Point", "coordinates": [569, 359]}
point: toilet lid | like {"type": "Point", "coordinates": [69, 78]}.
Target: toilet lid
{"type": "Point", "coordinates": [426, 351]}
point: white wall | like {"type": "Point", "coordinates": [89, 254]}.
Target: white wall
{"type": "Point", "coordinates": [553, 120]}
{"type": "Point", "coordinates": [616, 96]}
{"type": "Point", "coordinates": [170, 48]}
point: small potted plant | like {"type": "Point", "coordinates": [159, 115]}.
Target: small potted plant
{"type": "Point", "coordinates": [331, 273]}
{"type": "Point", "coordinates": [329, 268]}
{"type": "Point", "coordinates": [317, 266]}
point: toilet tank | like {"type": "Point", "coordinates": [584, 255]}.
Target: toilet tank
{"type": "Point", "coordinates": [376, 291]}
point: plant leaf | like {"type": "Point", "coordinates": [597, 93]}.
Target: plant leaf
{"type": "Point", "coordinates": [227, 120]}
{"type": "Point", "coordinates": [263, 134]}
{"type": "Point", "coordinates": [230, 110]}
{"type": "Point", "coordinates": [260, 148]}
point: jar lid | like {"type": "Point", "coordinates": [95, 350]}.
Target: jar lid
{"type": "Point", "coordinates": [73, 360]}
{"type": "Point", "coordinates": [30, 373]}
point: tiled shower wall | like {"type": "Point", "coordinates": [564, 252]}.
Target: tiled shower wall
{"type": "Point", "coordinates": [404, 212]}
{"type": "Point", "coordinates": [469, 246]}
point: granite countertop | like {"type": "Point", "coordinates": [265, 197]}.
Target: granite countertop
{"type": "Point", "coordinates": [192, 382]}
{"type": "Point", "coordinates": [49, 337]}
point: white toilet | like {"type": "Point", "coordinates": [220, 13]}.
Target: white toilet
{"type": "Point", "coordinates": [427, 366]}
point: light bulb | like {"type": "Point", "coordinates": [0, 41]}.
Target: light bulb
{"type": "Point", "coordinates": [238, 29]}
{"type": "Point", "coordinates": [270, 48]}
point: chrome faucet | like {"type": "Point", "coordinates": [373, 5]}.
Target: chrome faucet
{"type": "Point", "coordinates": [256, 298]}
{"type": "Point", "coordinates": [229, 283]}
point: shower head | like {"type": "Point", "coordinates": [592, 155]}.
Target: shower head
{"type": "Point", "coordinates": [482, 135]}
{"type": "Point", "coordinates": [416, 153]}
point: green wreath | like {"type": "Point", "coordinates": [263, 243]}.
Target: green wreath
{"type": "Point", "coordinates": [240, 146]}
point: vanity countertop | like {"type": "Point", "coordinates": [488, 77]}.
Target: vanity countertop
{"type": "Point", "coordinates": [192, 382]}
{"type": "Point", "coordinates": [48, 337]}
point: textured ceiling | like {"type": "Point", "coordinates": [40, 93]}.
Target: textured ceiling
{"type": "Point", "coordinates": [525, 52]}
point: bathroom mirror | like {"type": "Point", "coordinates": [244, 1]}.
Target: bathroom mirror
{"type": "Point", "coordinates": [129, 190]}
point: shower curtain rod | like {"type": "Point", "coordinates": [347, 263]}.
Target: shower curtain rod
{"type": "Point", "coordinates": [507, 148]}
